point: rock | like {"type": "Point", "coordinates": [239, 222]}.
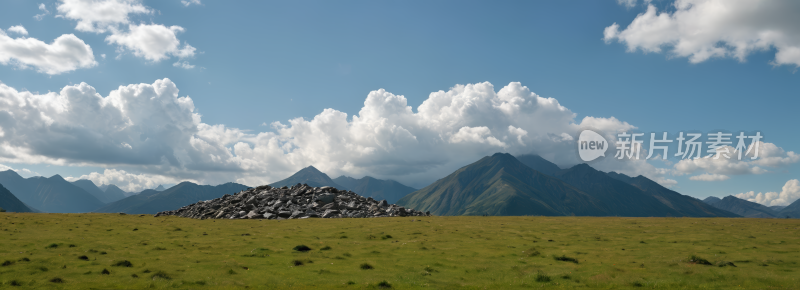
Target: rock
{"type": "Point", "coordinates": [297, 202]}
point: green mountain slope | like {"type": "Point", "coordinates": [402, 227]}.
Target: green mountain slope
{"type": "Point", "coordinates": [742, 207]}
{"type": "Point", "coordinates": [501, 185]}
{"type": "Point", "coordinates": [11, 203]}
{"type": "Point", "coordinates": [684, 205]}
{"type": "Point", "coordinates": [539, 164]}
{"type": "Point", "coordinates": [379, 189]}
{"type": "Point", "coordinates": [310, 176]}
{"type": "Point", "coordinates": [151, 202]}
{"type": "Point", "coordinates": [791, 211]}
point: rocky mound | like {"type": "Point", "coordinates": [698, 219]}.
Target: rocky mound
{"type": "Point", "coordinates": [296, 202]}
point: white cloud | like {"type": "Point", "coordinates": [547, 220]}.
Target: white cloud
{"type": "Point", "coordinates": [769, 155]}
{"type": "Point", "coordinates": [183, 64]}
{"type": "Point", "coordinates": [100, 16]}
{"type": "Point", "coordinates": [153, 42]}
{"type": "Point", "coordinates": [709, 177]}
{"type": "Point", "coordinates": [190, 2]}
{"type": "Point", "coordinates": [66, 53]}
{"type": "Point", "coordinates": [789, 193]}
{"type": "Point", "coordinates": [627, 3]}
{"type": "Point", "coordinates": [18, 29]}
{"type": "Point", "coordinates": [704, 29]}
{"type": "Point", "coordinates": [44, 13]}
{"type": "Point", "coordinates": [150, 130]}
{"type": "Point", "coordinates": [127, 181]}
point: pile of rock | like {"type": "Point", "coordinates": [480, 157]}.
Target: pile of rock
{"type": "Point", "coordinates": [296, 202]}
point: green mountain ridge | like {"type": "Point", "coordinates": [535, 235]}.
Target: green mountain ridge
{"type": "Point", "coordinates": [11, 203]}
{"type": "Point", "coordinates": [151, 201]}
{"type": "Point", "coordinates": [379, 189]}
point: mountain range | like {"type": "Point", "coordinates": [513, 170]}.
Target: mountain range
{"type": "Point", "coordinates": [151, 201]}
{"type": "Point", "coordinates": [11, 203]}
{"type": "Point", "coordinates": [503, 185]}
{"type": "Point", "coordinates": [53, 194]}
{"type": "Point", "coordinates": [751, 209]}
{"type": "Point", "coordinates": [367, 186]}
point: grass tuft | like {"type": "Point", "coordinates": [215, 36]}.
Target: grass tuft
{"type": "Point", "coordinates": [83, 257]}
{"type": "Point", "coordinates": [301, 248]}
{"type": "Point", "coordinates": [123, 263]}
{"type": "Point", "coordinates": [51, 246]}
{"type": "Point", "coordinates": [366, 266]}
{"type": "Point", "coordinates": [325, 248]}
{"type": "Point", "coordinates": [57, 280]}
{"type": "Point", "coordinates": [694, 259]}
{"type": "Point", "coordinates": [8, 263]}
{"type": "Point", "coordinates": [105, 272]}
{"type": "Point", "coordinates": [297, 263]}
{"type": "Point", "coordinates": [384, 284]}
{"type": "Point", "coordinates": [565, 259]}
{"type": "Point", "coordinates": [542, 277]}
{"type": "Point", "coordinates": [161, 275]}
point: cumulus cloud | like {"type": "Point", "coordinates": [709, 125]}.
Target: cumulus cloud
{"type": "Point", "coordinates": [709, 177]}
{"type": "Point", "coordinates": [126, 181]}
{"type": "Point", "coordinates": [704, 29]}
{"type": "Point", "coordinates": [153, 42]}
{"type": "Point", "coordinates": [18, 29]}
{"type": "Point", "coordinates": [183, 64]}
{"type": "Point", "coordinates": [44, 13]}
{"type": "Point", "coordinates": [190, 2]}
{"type": "Point", "coordinates": [789, 194]}
{"type": "Point", "coordinates": [149, 130]}
{"type": "Point", "coordinates": [66, 53]}
{"type": "Point", "coordinates": [769, 156]}
{"type": "Point", "coordinates": [100, 16]}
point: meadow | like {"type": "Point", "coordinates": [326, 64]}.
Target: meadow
{"type": "Point", "coordinates": [114, 251]}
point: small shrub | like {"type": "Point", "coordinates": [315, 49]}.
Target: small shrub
{"type": "Point", "coordinates": [366, 266]}
{"type": "Point", "coordinates": [347, 255]}
{"type": "Point", "coordinates": [43, 269]}
{"type": "Point", "coordinates": [25, 259]}
{"type": "Point", "coordinates": [430, 270]}
{"type": "Point", "coordinates": [343, 237]}
{"type": "Point", "coordinates": [566, 277]}
{"type": "Point", "coordinates": [146, 271]}
{"type": "Point", "coordinates": [351, 283]}
{"type": "Point", "coordinates": [637, 284]}
{"type": "Point", "coordinates": [697, 260]}
{"type": "Point", "coordinates": [134, 276]}
{"type": "Point", "coordinates": [161, 275]}
{"type": "Point", "coordinates": [542, 277]}
{"type": "Point", "coordinates": [726, 263]}
{"type": "Point", "coordinates": [84, 257]}
{"type": "Point", "coordinates": [103, 253]}
{"type": "Point", "coordinates": [297, 262]}
{"type": "Point", "coordinates": [123, 263]}
{"type": "Point", "coordinates": [386, 237]}
{"type": "Point", "coordinates": [72, 245]}
{"type": "Point", "coordinates": [57, 280]}
{"type": "Point", "coordinates": [565, 259]}
{"type": "Point", "coordinates": [8, 263]}
{"type": "Point", "coordinates": [325, 248]}
{"type": "Point", "coordinates": [159, 248]}
{"type": "Point", "coordinates": [384, 284]}
{"type": "Point", "coordinates": [301, 248]}
{"type": "Point", "coordinates": [105, 272]}
{"type": "Point", "coordinates": [231, 272]}
{"type": "Point", "coordinates": [51, 246]}
{"type": "Point", "coordinates": [15, 283]}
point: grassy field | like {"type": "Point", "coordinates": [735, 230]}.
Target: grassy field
{"type": "Point", "coordinates": [111, 251]}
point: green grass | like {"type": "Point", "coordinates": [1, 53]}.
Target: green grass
{"type": "Point", "coordinates": [427, 252]}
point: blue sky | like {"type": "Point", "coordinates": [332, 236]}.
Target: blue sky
{"type": "Point", "coordinates": [261, 62]}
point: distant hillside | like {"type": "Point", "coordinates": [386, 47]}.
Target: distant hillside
{"type": "Point", "coordinates": [310, 176]}
{"type": "Point", "coordinates": [791, 211]}
{"type": "Point", "coordinates": [379, 189]}
{"type": "Point", "coordinates": [685, 205]}
{"type": "Point", "coordinates": [741, 207]}
{"type": "Point", "coordinates": [151, 202]}
{"type": "Point", "coordinates": [52, 194]}
{"type": "Point", "coordinates": [103, 196]}
{"type": "Point", "coordinates": [539, 164]}
{"type": "Point", "coordinates": [11, 203]}
{"type": "Point", "coordinates": [501, 185]}
{"type": "Point", "coordinates": [113, 190]}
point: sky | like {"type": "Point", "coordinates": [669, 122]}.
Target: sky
{"type": "Point", "coordinates": [142, 93]}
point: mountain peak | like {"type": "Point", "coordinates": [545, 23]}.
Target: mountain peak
{"type": "Point", "coordinates": [309, 175]}
{"type": "Point", "coordinates": [56, 177]}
